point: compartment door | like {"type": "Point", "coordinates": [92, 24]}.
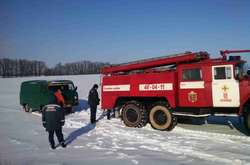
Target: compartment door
{"type": "Point", "coordinates": [192, 88]}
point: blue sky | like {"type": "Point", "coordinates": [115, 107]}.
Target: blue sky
{"type": "Point", "coordinates": [120, 30]}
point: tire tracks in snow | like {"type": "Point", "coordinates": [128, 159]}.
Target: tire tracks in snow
{"type": "Point", "coordinates": [173, 143]}
{"type": "Point", "coordinates": [121, 141]}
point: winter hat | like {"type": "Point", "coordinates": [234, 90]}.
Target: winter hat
{"type": "Point", "coordinates": [95, 86]}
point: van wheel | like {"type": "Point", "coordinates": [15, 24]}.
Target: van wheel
{"type": "Point", "coordinates": [41, 109]}
{"type": "Point", "coordinates": [134, 114]}
{"type": "Point", "coordinates": [27, 108]}
{"type": "Point", "coordinates": [247, 121]}
{"type": "Point", "coordinates": [68, 110]}
{"type": "Point", "coordinates": [161, 118]}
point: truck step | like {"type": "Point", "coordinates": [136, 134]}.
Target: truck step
{"type": "Point", "coordinates": [190, 115]}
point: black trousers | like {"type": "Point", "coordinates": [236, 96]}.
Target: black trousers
{"type": "Point", "coordinates": [108, 114]}
{"type": "Point", "coordinates": [59, 135]}
{"type": "Point", "coordinates": [93, 114]}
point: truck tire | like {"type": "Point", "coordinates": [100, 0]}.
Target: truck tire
{"type": "Point", "coordinates": [161, 118]}
{"type": "Point", "coordinates": [27, 108]}
{"type": "Point", "coordinates": [247, 121]}
{"type": "Point", "coordinates": [134, 115]}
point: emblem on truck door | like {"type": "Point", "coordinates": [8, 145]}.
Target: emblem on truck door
{"type": "Point", "coordinates": [192, 97]}
{"type": "Point", "coordinates": [225, 94]}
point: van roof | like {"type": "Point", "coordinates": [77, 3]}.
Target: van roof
{"type": "Point", "coordinates": [47, 82]}
{"type": "Point", "coordinates": [52, 82]}
{"type": "Point", "coordinates": [35, 82]}
{"type": "Point", "coordinates": [60, 81]}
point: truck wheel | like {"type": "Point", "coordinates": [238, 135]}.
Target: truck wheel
{"type": "Point", "coordinates": [247, 121]}
{"type": "Point", "coordinates": [27, 108]}
{"type": "Point", "coordinates": [134, 115]}
{"type": "Point", "coordinates": [161, 118]}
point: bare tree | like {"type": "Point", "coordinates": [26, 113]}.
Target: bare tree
{"type": "Point", "coordinates": [23, 67]}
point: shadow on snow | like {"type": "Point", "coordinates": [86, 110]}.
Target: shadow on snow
{"type": "Point", "coordinates": [233, 122]}
{"type": "Point", "coordinates": [83, 130]}
{"type": "Point", "coordinates": [82, 106]}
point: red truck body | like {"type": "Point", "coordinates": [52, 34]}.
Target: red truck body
{"type": "Point", "coordinates": [144, 85]}
{"type": "Point", "coordinates": [187, 83]}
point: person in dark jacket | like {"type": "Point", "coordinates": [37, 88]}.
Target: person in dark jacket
{"type": "Point", "coordinates": [53, 120]}
{"type": "Point", "coordinates": [93, 101]}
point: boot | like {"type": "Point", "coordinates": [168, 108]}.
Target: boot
{"type": "Point", "coordinates": [53, 146]}
{"type": "Point", "coordinates": [63, 144]}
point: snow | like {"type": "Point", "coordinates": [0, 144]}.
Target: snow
{"type": "Point", "coordinates": [25, 142]}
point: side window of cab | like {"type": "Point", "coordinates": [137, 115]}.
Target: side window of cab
{"type": "Point", "coordinates": [222, 72]}
{"type": "Point", "coordinates": [192, 74]}
{"type": "Point", "coordinates": [71, 87]}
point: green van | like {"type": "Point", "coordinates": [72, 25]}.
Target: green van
{"type": "Point", "coordinates": [38, 93]}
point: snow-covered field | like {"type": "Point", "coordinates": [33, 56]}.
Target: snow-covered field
{"type": "Point", "coordinates": [23, 140]}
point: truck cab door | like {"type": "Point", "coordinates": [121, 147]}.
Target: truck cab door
{"type": "Point", "coordinates": [225, 89]}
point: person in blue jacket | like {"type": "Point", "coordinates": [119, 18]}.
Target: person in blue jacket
{"type": "Point", "coordinates": [53, 120]}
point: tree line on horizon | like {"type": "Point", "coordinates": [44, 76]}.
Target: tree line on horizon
{"type": "Point", "coordinates": [23, 67]}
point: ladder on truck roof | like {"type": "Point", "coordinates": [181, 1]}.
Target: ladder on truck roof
{"type": "Point", "coordinates": [155, 62]}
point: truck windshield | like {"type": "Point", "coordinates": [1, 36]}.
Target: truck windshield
{"type": "Point", "coordinates": [241, 70]}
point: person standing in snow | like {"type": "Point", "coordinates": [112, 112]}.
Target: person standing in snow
{"type": "Point", "coordinates": [59, 98]}
{"type": "Point", "coordinates": [53, 120]}
{"type": "Point", "coordinates": [93, 101]}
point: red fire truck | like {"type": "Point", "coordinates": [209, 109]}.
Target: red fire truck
{"type": "Point", "coordinates": [157, 90]}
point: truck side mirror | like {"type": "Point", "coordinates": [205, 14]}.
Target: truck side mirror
{"type": "Point", "coordinates": [75, 88]}
{"type": "Point", "coordinates": [239, 77]}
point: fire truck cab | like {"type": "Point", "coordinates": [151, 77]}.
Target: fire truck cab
{"type": "Point", "coordinates": [193, 84]}
{"type": "Point", "coordinates": [209, 84]}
